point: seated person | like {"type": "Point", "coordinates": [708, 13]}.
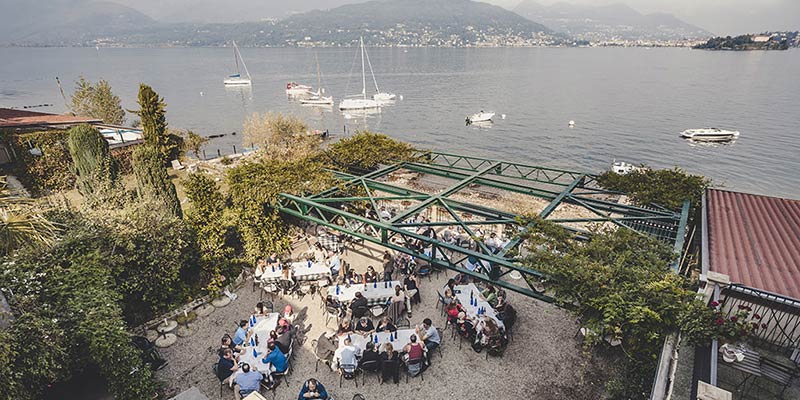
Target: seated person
{"type": "Point", "coordinates": [461, 279]}
{"type": "Point", "coordinates": [276, 361]}
{"type": "Point", "coordinates": [261, 266]}
{"type": "Point", "coordinates": [241, 334]}
{"type": "Point", "coordinates": [390, 363]}
{"type": "Point", "coordinates": [260, 310]}
{"type": "Point", "coordinates": [226, 365]}
{"type": "Point", "coordinates": [450, 291]}
{"type": "Point", "coordinates": [334, 263]}
{"type": "Point", "coordinates": [351, 277]}
{"type": "Point", "coordinates": [399, 296]}
{"type": "Point", "coordinates": [414, 351]}
{"type": "Point", "coordinates": [247, 382]}
{"type": "Point", "coordinates": [284, 341]}
{"type": "Point", "coordinates": [359, 305]}
{"type": "Point", "coordinates": [344, 328]}
{"type": "Point", "coordinates": [312, 390]}
{"type": "Point", "coordinates": [226, 343]}
{"type": "Point", "coordinates": [370, 355]}
{"type": "Point", "coordinates": [386, 325]}
{"type": "Point", "coordinates": [370, 276]}
{"type": "Point", "coordinates": [493, 243]}
{"type": "Point", "coordinates": [364, 326]}
{"type": "Point", "coordinates": [429, 335]}
{"type": "Point", "coordinates": [490, 294]}
{"type": "Point", "coordinates": [412, 288]}
{"type": "Point", "coordinates": [346, 355]}
{"type": "Point", "coordinates": [465, 326]}
{"type": "Point", "coordinates": [452, 310]}
{"type": "Point", "coordinates": [501, 303]}
{"type": "Point", "coordinates": [288, 314]}
{"type": "Point", "coordinates": [272, 260]}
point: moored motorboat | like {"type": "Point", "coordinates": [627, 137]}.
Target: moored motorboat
{"type": "Point", "coordinates": [623, 168]}
{"type": "Point", "coordinates": [480, 117]}
{"type": "Point", "coordinates": [296, 89]}
{"type": "Point", "coordinates": [710, 135]}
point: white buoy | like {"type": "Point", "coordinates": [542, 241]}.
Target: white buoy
{"type": "Point", "coordinates": [201, 93]}
{"type": "Point", "coordinates": [571, 123]}
{"type": "Point", "coordinates": [503, 116]}
{"type": "Point", "coordinates": [401, 97]}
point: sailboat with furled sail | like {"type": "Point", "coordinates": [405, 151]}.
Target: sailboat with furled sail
{"type": "Point", "coordinates": [360, 102]}
{"type": "Point", "coordinates": [317, 98]}
{"type": "Point", "coordinates": [237, 79]}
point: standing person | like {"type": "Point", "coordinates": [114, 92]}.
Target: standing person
{"type": "Point", "coordinates": [247, 382]}
{"type": "Point", "coordinates": [429, 335]}
{"type": "Point", "coordinates": [388, 267]}
{"type": "Point", "coordinates": [312, 389]}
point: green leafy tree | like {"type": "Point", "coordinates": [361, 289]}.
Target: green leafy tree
{"type": "Point", "coordinates": [365, 150]}
{"type": "Point", "coordinates": [153, 181]}
{"type": "Point", "coordinates": [97, 101]}
{"type": "Point", "coordinates": [666, 187]}
{"type": "Point", "coordinates": [94, 168]}
{"type": "Point", "coordinates": [280, 136]}
{"type": "Point", "coordinates": [152, 112]}
{"type": "Point", "coordinates": [194, 143]}
{"type": "Point", "coordinates": [620, 286]}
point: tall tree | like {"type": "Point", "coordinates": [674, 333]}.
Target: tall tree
{"type": "Point", "coordinates": [153, 180]}
{"type": "Point", "coordinates": [97, 101]}
{"type": "Point", "coordinates": [152, 112]}
{"type": "Point", "coordinates": [94, 168]}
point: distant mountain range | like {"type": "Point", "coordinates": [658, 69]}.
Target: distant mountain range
{"type": "Point", "coordinates": [381, 22]}
{"type": "Point", "coordinates": [604, 22]}
{"type": "Point", "coordinates": [65, 22]}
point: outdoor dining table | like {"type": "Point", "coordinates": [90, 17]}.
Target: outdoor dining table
{"type": "Point", "coordinates": [306, 271]}
{"type": "Point", "coordinates": [272, 274]}
{"type": "Point", "coordinates": [463, 296]}
{"type": "Point", "coordinates": [359, 341]}
{"type": "Point", "coordinates": [262, 328]}
{"type": "Point", "coordinates": [377, 293]}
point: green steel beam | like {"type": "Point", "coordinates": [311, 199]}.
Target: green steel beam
{"type": "Point", "coordinates": [523, 171]}
{"type": "Point", "coordinates": [507, 285]}
{"type": "Point", "coordinates": [354, 179]}
{"type": "Point", "coordinates": [503, 221]}
{"type": "Point", "coordinates": [681, 236]}
{"type": "Point", "coordinates": [464, 182]}
{"type": "Point", "coordinates": [377, 198]}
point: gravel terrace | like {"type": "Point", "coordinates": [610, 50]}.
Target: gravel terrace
{"type": "Point", "coordinates": [544, 360]}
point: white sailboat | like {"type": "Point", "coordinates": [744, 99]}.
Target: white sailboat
{"type": "Point", "coordinates": [317, 98]}
{"type": "Point", "coordinates": [237, 79]}
{"type": "Point", "coordinates": [360, 102]}
{"type": "Point", "coordinates": [381, 97]}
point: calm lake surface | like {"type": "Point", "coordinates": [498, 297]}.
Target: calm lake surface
{"type": "Point", "coordinates": [628, 103]}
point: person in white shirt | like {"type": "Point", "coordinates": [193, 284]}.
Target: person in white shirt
{"type": "Point", "coordinates": [385, 215]}
{"type": "Point", "coordinates": [346, 355]}
{"type": "Point", "coordinates": [334, 263]}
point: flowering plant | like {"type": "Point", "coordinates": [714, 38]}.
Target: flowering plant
{"type": "Point", "coordinates": [737, 326]}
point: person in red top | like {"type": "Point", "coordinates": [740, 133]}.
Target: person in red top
{"type": "Point", "coordinates": [452, 310]}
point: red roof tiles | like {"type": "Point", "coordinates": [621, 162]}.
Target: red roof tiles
{"type": "Point", "coordinates": [755, 240]}
{"type": "Point", "coordinates": [12, 118]}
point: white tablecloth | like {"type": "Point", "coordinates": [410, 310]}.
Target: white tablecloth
{"type": "Point", "coordinates": [374, 293]}
{"type": "Point", "coordinates": [301, 271]}
{"type": "Point", "coordinates": [462, 294]}
{"type": "Point", "coordinates": [264, 325]}
{"type": "Point", "coordinates": [262, 328]}
{"type": "Point", "coordinates": [360, 342]}
{"type": "Point", "coordinates": [271, 275]}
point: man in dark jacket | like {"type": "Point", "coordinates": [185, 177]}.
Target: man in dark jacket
{"type": "Point", "coordinates": [360, 302]}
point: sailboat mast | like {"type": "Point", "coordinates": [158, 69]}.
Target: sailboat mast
{"type": "Point", "coordinates": [319, 77]}
{"type": "Point", "coordinates": [372, 72]}
{"type": "Point", "coordinates": [363, 72]}
{"type": "Point", "coordinates": [236, 58]}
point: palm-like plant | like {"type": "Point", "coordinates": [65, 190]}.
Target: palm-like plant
{"type": "Point", "coordinates": [21, 223]}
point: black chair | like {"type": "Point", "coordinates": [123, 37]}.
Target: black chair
{"type": "Point", "coordinates": [359, 396]}
{"type": "Point", "coordinates": [495, 347]}
{"type": "Point", "coordinates": [424, 270]}
{"type": "Point", "coordinates": [390, 368]}
{"type": "Point", "coordinates": [215, 368]}
{"type": "Point", "coordinates": [441, 300]}
{"type": "Point", "coordinates": [416, 361]}
{"type": "Point", "coordinates": [373, 366]}
{"type": "Point", "coordinates": [331, 312]}
{"type": "Point", "coordinates": [403, 323]}
{"type": "Point", "coordinates": [348, 371]}
{"type": "Point", "coordinates": [360, 311]}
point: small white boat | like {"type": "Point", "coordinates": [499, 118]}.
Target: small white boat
{"type": "Point", "coordinates": [709, 135]}
{"type": "Point", "coordinates": [237, 79]}
{"type": "Point", "coordinates": [384, 97]}
{"type": "Point", "coordinates": [622, 168]}
{"type": "Point", "coordinates": [317, 99]}
{"type": "Point", "coordinates": [296, 89]}
{"type": "Point", "coordinates": [480, 117]}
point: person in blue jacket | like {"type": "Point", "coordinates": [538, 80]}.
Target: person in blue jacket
{"type": "Point", "coordinates": [312, 389]}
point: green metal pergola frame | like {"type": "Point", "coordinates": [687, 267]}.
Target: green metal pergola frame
{"type": "Point", "coordinates": [330, 208]}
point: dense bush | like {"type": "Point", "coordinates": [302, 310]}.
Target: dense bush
{"type": "Point", "coordinates": [48, 172]}
{"type": "Point", "coordinates": [665, 187]}
{"type": "Point", "coordinates": [364, 151]}
{"type": "Point", "coordinates": [153, 181]}
{"type": "Point", "coordinates": [620, 286]}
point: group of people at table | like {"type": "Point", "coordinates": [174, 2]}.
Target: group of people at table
{"type": "Point", "coordinates": [258, 350]}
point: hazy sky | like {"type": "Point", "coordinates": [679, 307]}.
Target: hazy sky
{"type": "Point", "coordinates": [718, 16]}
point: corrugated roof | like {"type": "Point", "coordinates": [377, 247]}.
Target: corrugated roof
{"type": "Point", "coordinates": [12, 118]}
{"type": "Point", "coordinates": [755, 240]}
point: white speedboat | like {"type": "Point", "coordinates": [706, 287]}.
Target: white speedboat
{"type": "Point", "coordinates": [622, 168]}
{"type": "Point", "coordinates": [384, 97]}
{"type": "Point", "coordinates": [237, 79]}
{"type": "Point", "coordinates": [296, 89]}
{"type": "Point", "coordinates": [709, 135]}
{"type": "Point", "coordinates": [480, 117]}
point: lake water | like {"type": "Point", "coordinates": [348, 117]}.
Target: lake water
{"type": "Point", "coordinates": [628, 103]}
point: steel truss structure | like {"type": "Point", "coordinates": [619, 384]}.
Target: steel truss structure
{"type": "Point", "coordinates": [339, 209]}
